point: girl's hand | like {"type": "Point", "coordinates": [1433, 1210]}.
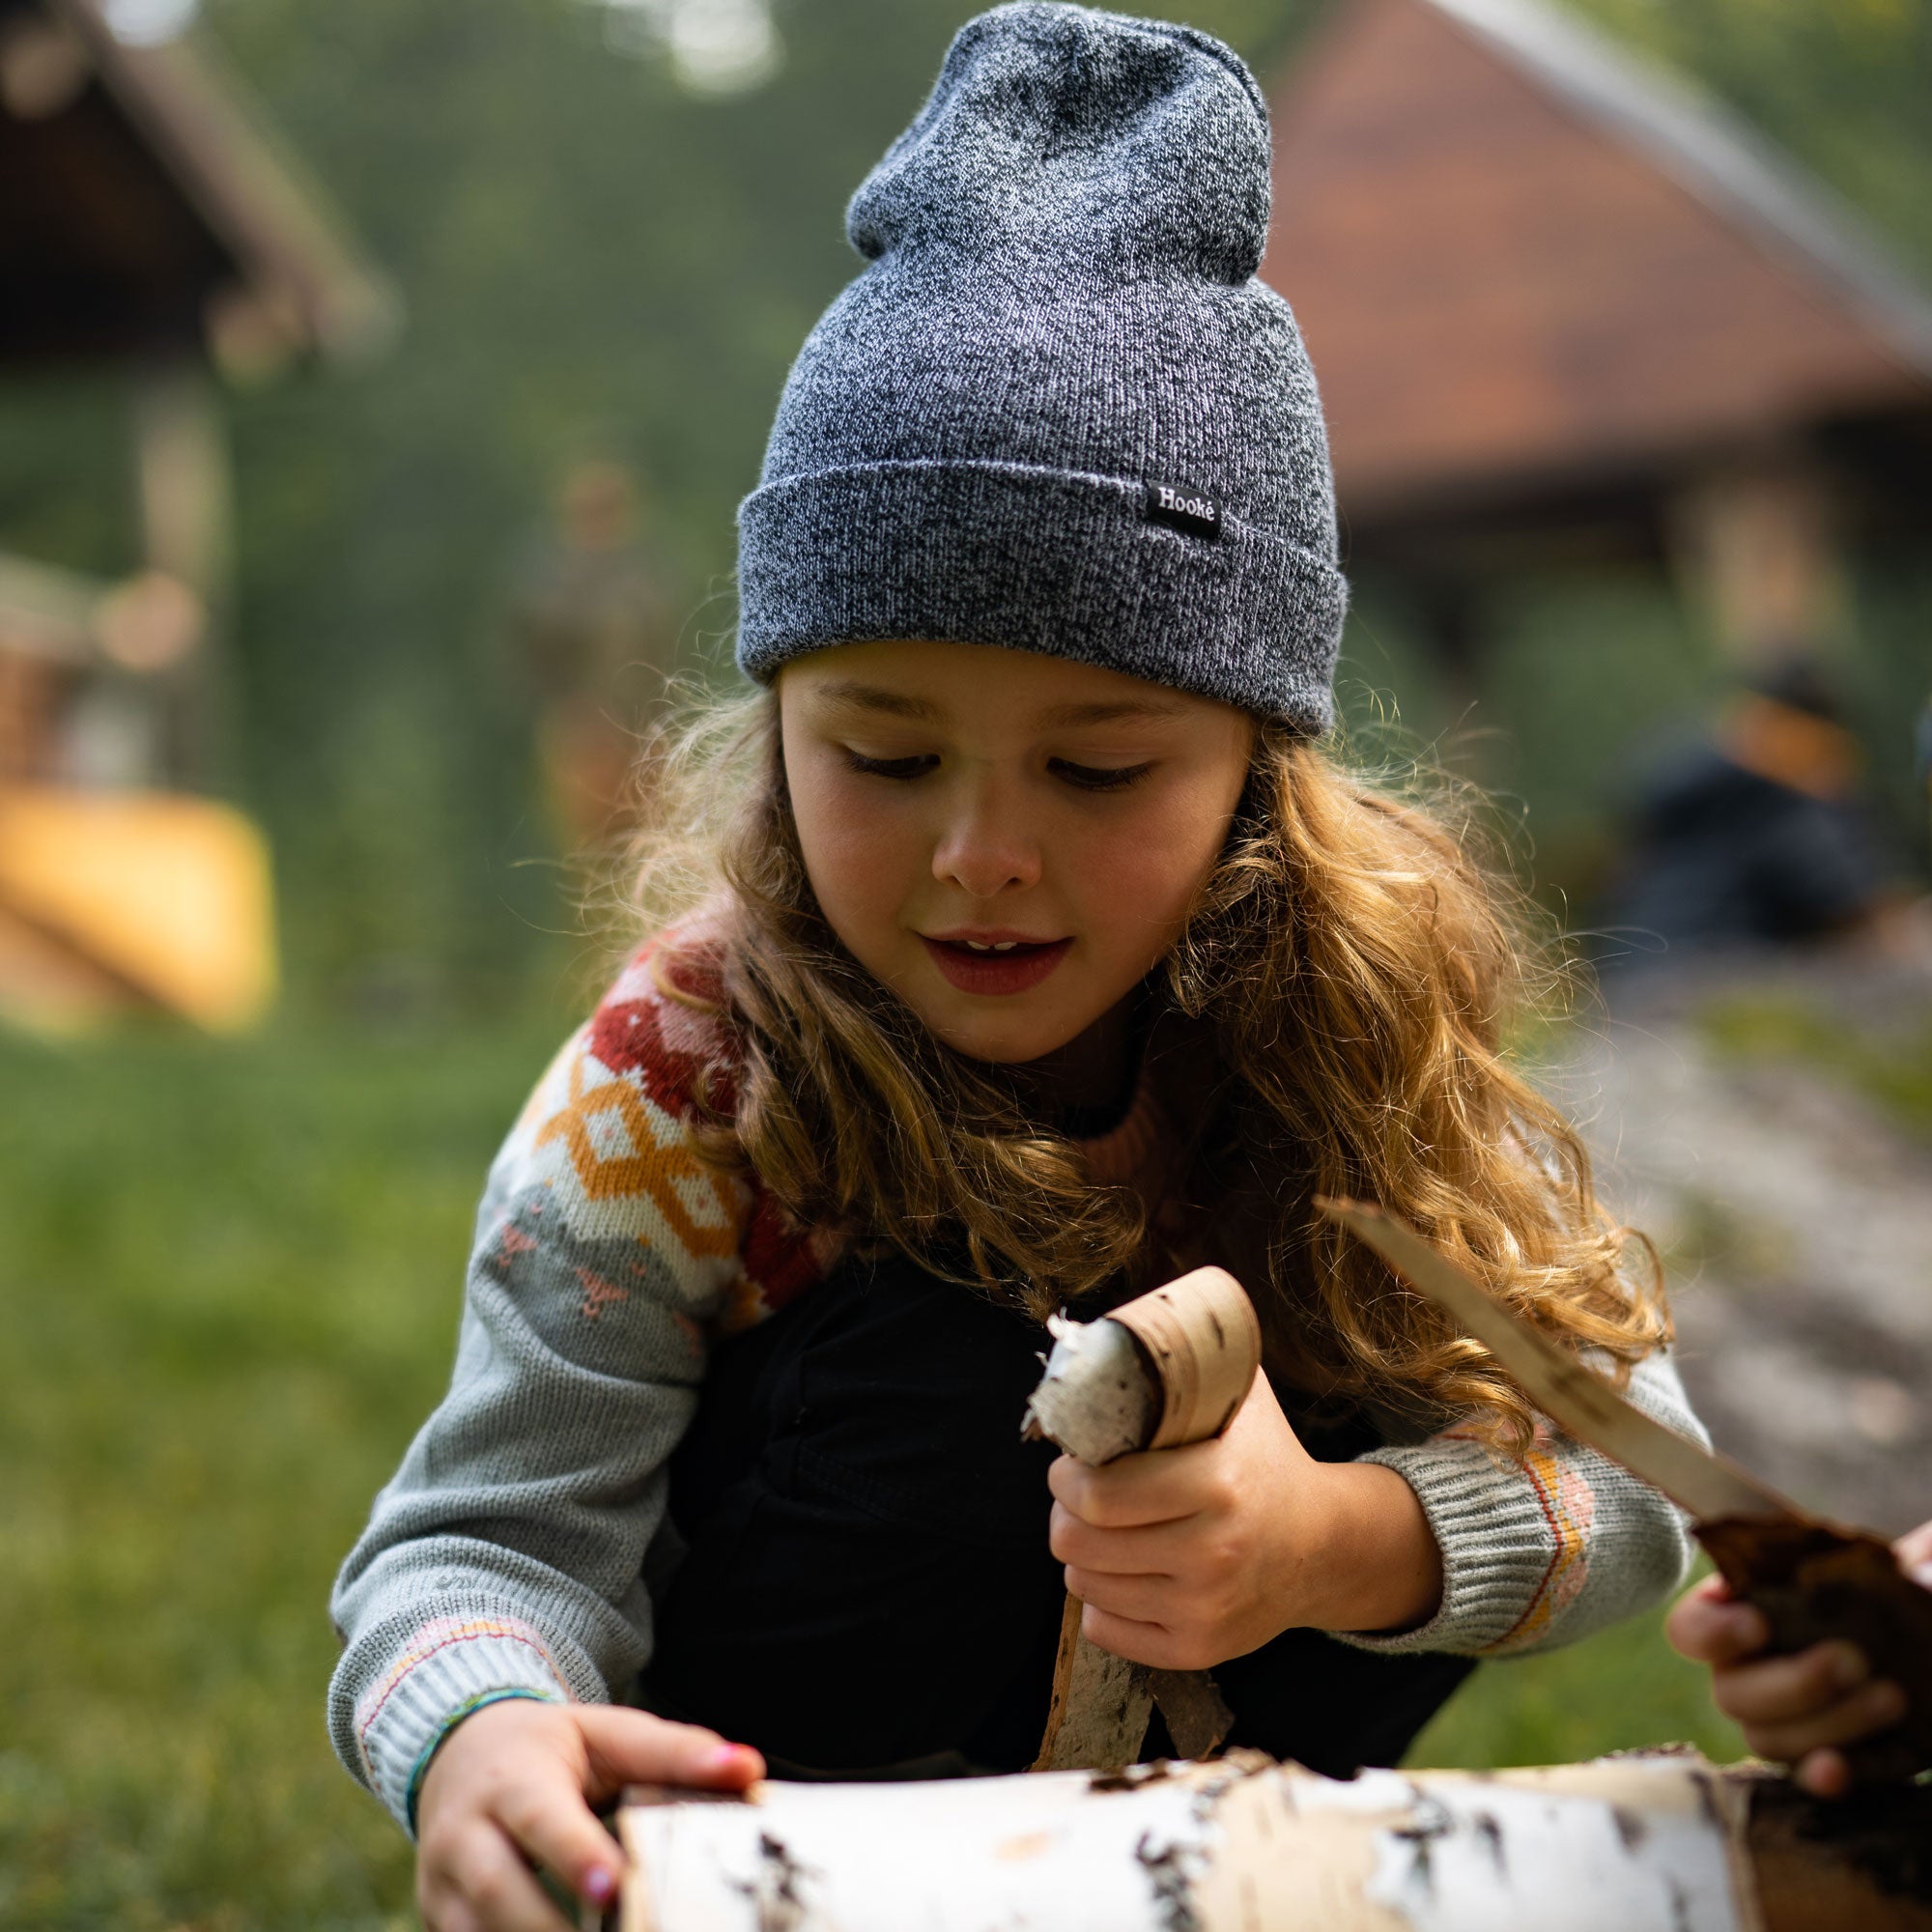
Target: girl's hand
{"type": "Point", "coordinates": [511, 1787]}
{"type": "Point", "coordinates": [1795, 1710]}
{"type": "Point", "coordinates": [1185, 1557]}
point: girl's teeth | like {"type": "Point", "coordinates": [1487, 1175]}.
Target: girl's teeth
{"type": "Point", "coordinates": [995, 945]}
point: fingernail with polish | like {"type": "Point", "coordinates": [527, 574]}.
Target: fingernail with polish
{"type": "Point", "coordinates": [600, 1885]}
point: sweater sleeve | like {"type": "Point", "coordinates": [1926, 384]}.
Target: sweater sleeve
{"type": "Point", "coordinates": [1540, 1553]}
{"type": "Point", "coordinates": [505, 1557]}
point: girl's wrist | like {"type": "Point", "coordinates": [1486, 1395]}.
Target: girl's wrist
{"type": "Point", "coordinates": [1377, 1566]}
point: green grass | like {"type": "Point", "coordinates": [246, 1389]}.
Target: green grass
{"type": "Point", "coordinates": [228, 1289]}
{"type": "Point", "coordinates": [1621, 1689]}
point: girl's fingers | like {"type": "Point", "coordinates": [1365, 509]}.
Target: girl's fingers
{"type": "Point", "coordinates": [1145, 1551]}
{"type": "Point", "coordinates": [549, 1816]}
{"type": "Point", "coordinates": [1824, 1772]}
{"type": "Point", "coordinates": [557, 1829]}
{"type": "Point", "coordinates": [1782, 1690]}
{"type": "Point", "coordinates": [1913, 1550]}
{"type": "Point", "coordinates": [492, 1889]}
{"type": "Point", "coordinates": [627, 1747]}
{"type": "Point", "coordinates": [1874, 1707]}
{"type": "Point", "coordinates": [1138, 1598]}
{"type": "Point", "coordinates": [1709, 1626]}
{"type": "Point", "coordinates": [1129, 1637]}
{"type": "Point", "coordinates": [1153, 1486]}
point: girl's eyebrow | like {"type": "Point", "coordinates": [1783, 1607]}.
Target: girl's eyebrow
{"type": "Point", "coordinates": [1108, 712]}
{"type": "Point", "coordinates": [874, 697]}
{"type": "Point", "coordinates": [861, 696]}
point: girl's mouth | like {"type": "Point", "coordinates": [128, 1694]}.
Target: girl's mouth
{"type": "Point", "coordinates": [995, 964]}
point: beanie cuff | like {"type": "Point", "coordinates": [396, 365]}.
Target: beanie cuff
{"type": "Point", "coordinates": [1038, 560]}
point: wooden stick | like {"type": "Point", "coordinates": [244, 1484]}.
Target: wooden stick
{"type": "Point", "coordinates": [1168, 1368]}
{"type": "Point", "coordinates": [1097, 1716]}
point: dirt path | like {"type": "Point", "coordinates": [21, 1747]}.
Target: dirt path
{"type": "Point", "coordinates": [1796, 1222]}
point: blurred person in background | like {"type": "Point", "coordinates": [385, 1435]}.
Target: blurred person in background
{"type": "Point", "coordinates": [596, 647]}
{"type": "Point", "coordinates": [1762, 832]}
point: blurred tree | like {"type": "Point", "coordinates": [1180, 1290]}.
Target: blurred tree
{"type": "Point", "coordinates": [596, 259]}
{"type": "Point", "coordinates": [1844, 87]}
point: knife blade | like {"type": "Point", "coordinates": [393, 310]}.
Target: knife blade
{"type": "Point", "coordinates": [1710, 1487]}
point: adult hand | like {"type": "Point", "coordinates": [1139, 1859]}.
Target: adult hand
{"type": "Point", "coordinates": [1797, 1709]}
{"type": "Point", "coordinates": [1185, 1557]}
{"type": "Point", "coordinates": [511, 1787]}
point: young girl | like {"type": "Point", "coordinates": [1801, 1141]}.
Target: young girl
{"type": "Point", "coordinates": [1044, 955]}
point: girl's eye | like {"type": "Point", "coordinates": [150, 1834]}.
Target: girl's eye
{"type": "Point", "coordinates": [892, 768]}
{"type": "Point", "coordinates": [1097, 777]}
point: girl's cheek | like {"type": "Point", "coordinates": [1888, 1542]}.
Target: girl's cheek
{"type": "Point", "coordinates": [859, 858]}
{"type": "Point", "coordinates": [1140, 878]}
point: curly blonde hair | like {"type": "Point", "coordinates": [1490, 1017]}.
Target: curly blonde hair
{"type": "Point", "coordinates": [1352, 967]}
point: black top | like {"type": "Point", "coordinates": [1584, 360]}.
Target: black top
{"type": "Point", "coordinates": [868, 1590]}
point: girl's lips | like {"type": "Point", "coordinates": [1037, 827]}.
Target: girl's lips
{"type": "Point", "coordinates": [1015, 972]}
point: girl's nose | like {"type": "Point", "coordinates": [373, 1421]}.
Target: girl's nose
{"type": "Point", "coordinates": [985, 849]}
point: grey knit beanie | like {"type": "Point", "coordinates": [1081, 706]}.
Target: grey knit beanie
{"type": "Point", "coordinates": [1057, 411]}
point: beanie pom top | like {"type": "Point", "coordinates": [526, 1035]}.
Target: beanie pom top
{"type": "Point", "coordinates": [1140, 144]}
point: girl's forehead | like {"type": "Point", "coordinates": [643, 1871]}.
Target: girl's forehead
{"type": "Point", "coordinates": [940, 682]}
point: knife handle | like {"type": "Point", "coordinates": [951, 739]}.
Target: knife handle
{"type": "Point", "coordinates": [1813, 1581]}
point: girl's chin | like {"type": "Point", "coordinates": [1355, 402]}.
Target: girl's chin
{"type": "Point", "coordinates": [1002, 1049]}
{"type": "Point", "coordinates": [1008, 1039]}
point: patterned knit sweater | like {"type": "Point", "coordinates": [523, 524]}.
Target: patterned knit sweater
{"type": "Point", "coordinates": [515, 1550]}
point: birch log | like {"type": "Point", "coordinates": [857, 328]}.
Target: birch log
{"type": "Point", "coordinates": [1642, 1843]}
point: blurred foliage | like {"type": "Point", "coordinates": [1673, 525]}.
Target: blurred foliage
{"type": "Point", "coordinates": [1842, 87]}
{"type": "Point", "coordinates": [595, 262]}
{"type": "Point", "coordinates": [231, 1286]}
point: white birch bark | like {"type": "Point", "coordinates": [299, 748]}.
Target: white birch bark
{"type": "Point", "coordinates": [1097, 1400]}
{"type": "Point", "coordinates": [1243, 1845]}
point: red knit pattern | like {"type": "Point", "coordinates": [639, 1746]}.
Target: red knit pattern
{"type": "Point", "coordinates": [677, 1040]}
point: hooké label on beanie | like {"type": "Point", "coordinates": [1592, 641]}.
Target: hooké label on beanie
{"type": "Point", "coordinates": [1188, 510]}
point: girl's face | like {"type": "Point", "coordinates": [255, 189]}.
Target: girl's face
{"type": "Point", "coordinates": [1009, 840]}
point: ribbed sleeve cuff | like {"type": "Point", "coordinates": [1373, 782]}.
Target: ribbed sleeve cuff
{"type": "Point", "coordinates": [451, 1667]}
{"type": "Point", "coordinates": [1496, 1539]}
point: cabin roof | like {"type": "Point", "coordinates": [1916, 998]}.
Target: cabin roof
{"type": "Point", "coordinates": [1520, 255]}
{"type": "Point", "coordinates": [1711, 152]}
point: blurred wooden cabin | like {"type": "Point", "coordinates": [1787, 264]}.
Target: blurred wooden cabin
{"type": "Point", "coordinates": [148, 219]}
{"type": "Point", "coordinates": [1562, 306]}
